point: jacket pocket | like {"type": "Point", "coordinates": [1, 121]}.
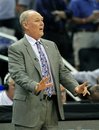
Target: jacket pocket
{"type": "Point", "coordinates": [20, 97]}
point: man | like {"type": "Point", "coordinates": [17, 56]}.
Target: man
{"type": "Point", "coordinates": [85, 16]}
{"type": "Point", "coordinates": [90, 76]}
{"type": "Point", "coordinates": [23, 5]}
{"type": "Point", "coordinates": [6, 95]}
{"type": "Point", "coordinates": [37, 99]}
{"type": "Point", "coordinates": [94, 93]}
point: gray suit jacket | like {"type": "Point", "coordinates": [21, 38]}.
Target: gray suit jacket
{"type": "Point", "coordinates": [25, 70]}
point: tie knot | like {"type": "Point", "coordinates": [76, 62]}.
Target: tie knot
{"type": "Point", "coordinates": [37, 43]}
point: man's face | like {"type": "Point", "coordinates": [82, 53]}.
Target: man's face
{"type": "Point", "coordinates": [34, 25]}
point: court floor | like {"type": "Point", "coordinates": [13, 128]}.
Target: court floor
{"type": "Point", "coordinates": [79, 125]}
{"type": "Point", "coordinates": [65, 125]}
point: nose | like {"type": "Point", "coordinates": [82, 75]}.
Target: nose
{"type": "Point", "coordinates": [42, 23]}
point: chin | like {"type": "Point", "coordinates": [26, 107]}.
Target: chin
{"type": "Point", "coordinates": [42, 34]}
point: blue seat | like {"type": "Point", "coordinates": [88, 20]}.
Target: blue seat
{"type": "Point", "coordinates": [1, 87]}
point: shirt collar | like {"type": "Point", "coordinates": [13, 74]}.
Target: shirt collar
{"type": "Point", "coordinates": [31, 40]}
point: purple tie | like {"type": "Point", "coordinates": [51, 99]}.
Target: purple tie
{"type": "Point", "coordinates": [45, 69]}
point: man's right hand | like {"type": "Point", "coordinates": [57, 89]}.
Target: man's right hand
{"type": "Point", "coordinates": [43, 84]}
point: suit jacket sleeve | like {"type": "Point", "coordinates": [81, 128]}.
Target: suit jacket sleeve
{"type": "Point", "coordinates": [18, 71]}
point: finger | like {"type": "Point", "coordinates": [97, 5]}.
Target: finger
{"type": "Point", "coordinates": [86, 92]}
{"type": "Point", "coordinates": [43, 85]}
{"type": "Point", "coordinates": [46, 79]}
{"type": "Point", "coordinates": [46, 86]}
{"type": "Point", "coordinates": [49, 85]}
{"type": "Point", "coordinates": [85, 83]}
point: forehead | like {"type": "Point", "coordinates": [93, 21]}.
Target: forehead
{"type": "Point", "coordinates": [35, 15]}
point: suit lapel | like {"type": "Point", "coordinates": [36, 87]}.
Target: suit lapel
{"type": "Point", "coordinates": [32, 55]}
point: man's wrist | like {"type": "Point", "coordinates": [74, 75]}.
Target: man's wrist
{"type": "Point", "coordinates": [76, 90]}
{"type": "Point", "coordinates": [36, 89]}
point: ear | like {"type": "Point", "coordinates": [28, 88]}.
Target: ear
{"type": "Point", "coordinates": [25, 25]}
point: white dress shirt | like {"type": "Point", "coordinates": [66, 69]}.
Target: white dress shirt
{"type": "Point", "coordinates": [32, 42]}
{"type": "Point", "coordinates": [4, 99]}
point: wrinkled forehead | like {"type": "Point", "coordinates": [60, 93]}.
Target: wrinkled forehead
{"type": "Point", "coordinates": [34, 15]}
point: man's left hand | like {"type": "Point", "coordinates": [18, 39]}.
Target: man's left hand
{"type": "Point", "coordinates": [82, 89]}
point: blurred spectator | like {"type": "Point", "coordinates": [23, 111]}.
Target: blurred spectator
{"type": "Point", "coordinates": [23, 5]}
{"type": "Point", "coordinates": [8, 19]}
{"type": "Point", "coordinates": [63, 94]}
{"type": "Point", "coordinates": [56, 17]}
{"type": "Point", "coordinates": [90, 76]}
{"type": "Point", "coordinates": [94, 93]}
{"type": "Point", "coordinates": [6, 96]}
{"type": "Point", "coordinates": [86, 34]}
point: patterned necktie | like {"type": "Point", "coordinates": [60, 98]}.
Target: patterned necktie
{"type": "Point", "coordinates": [45, 69]}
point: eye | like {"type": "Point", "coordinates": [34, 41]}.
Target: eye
{"type": "Point", "coordinates": [37, 20]}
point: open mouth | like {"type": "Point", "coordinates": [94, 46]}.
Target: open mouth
{"type": "Point", "coordinates": [41, 29]}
